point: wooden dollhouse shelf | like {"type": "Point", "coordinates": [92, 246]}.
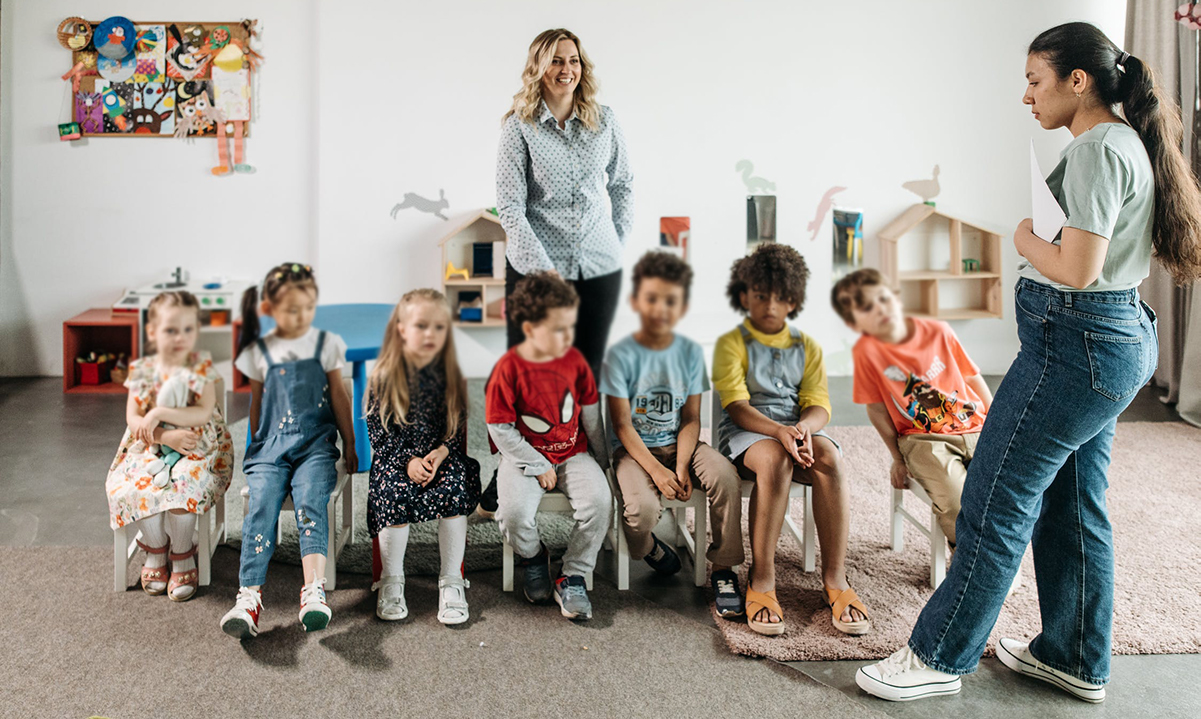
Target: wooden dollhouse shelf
{"type": "Point", "coordinates": [458, 250]}
{"type": "Point", "coordinates": [914, 275]}
{"type": "Point", "coordinates": [923, 290]}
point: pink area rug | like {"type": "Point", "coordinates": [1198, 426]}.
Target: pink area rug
{"type": "Point", "coordinates": [1154, 501]}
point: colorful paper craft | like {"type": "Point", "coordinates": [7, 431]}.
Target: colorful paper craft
{"type": "Point", "coordinates": [89, 112]}
{"type": "Point", "coordinates": [117, 70]}
{"type": "Point", "coordinates": [151, 53]}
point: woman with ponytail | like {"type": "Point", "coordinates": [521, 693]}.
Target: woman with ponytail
{"type": "Point", "coordinates": [1088, 344]}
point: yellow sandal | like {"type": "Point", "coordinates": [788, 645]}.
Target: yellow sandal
{"type": "Point", "coordinates": [757, 602]}
{"type": "Point", "coordinates": [838, 600]}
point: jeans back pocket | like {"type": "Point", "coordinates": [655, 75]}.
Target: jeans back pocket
{"type": "Point", "coordinates": [1117, 363]}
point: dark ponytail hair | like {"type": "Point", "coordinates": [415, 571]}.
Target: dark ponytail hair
{"type": "Point", "coordinates": [1123, 79]}
{"type": "Point", "coordinates": [279, 279]}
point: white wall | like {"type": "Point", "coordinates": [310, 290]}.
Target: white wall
{"type": "Point", "coordinates": [864, 95]}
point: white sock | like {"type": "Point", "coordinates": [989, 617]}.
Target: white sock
{"type": "Point", "coordinates": [154, 535]}
{"type": "Point", "coordinates": [180, 527]}
{"type": "Point", "coordinates": [452, 543]}
{"type": "Point", "coordinates": [392, 544]}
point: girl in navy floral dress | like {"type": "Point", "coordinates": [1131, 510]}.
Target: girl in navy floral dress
{"type": "Point", "coordinates": [417, 423]}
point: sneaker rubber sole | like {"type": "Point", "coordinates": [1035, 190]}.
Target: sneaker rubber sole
{"type": "Point", "coordinates": [314, 620]}
{"type": "Point", "coordinates": [895, 693]}
{"type": "Point", "coordinates": [239, 628]}
{"type": "Point", "coordinates": [1022, 665]}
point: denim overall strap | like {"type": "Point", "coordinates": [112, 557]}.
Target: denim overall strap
{"type": "Point", "coordinates": [263, 349]}
{"type": "Point", "coordinates": [320, 344]}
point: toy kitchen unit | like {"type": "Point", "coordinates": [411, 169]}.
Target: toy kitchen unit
{"type": "Point", "coordinates": [220, 305]}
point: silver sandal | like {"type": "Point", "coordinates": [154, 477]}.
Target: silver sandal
{"type": "Point", "coordinates": [452, 600]}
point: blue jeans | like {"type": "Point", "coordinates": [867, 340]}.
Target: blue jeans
{"type": "Point", "coordinates": [309, 482]}
{"type": "Point", "coordinates": [1040, 475]}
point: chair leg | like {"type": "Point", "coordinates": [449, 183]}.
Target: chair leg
{"type": "Point", "coordinates": [700, 542]}
{"type": "Point", "coordinates": [623, 560]}
{"type": "Point", "coordinates": [506, 572]}
{"type": "Point", "coordinates": [938, 552]}
{"type": "Point", "coordinates": [898, 520]}
{"type": "Point", "coordinates": [221, 535]}
{"type": "Point", "coordinates": [120, 559]}
{"type": "Point", "coordinates": [810, 538]}
{"type": "Point", "coordinates": [348, 509]}
{"type": "Point", "coordinates": [331, 544]}
{"type": "Point", "coordinates": [204, 554]}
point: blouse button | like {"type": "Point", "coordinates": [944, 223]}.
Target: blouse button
{"type": "Point", "coordinates": [283, 371]}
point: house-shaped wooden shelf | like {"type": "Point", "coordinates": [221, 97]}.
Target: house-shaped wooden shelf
{"type": "Point", "coordinates": [458, 249]}
{"type": "Point", "coordinates": [934, 286]}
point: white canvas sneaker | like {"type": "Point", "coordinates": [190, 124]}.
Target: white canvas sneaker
{"type": "Point", "coordinates": [1016, 655]}
{"type": "Point", "coordinates": [904, 677]}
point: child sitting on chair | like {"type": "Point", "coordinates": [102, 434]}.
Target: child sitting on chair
{"type": "Point", "coordinates": [540, 393]}
{"type": "Point", "coordinates": [772, 383]}
{"type": "Point", "coordinates": [653, 380]}
{"type": "Point", "coordinates": [924, 395]}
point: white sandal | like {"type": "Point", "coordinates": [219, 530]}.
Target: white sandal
{"type": "Point", "coordinates": [390, 604]}
{"type": "Point", "coordinates": [452, 600]}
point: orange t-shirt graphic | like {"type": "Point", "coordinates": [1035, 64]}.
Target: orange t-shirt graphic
{"type": "Point", "coordinates": [921, 381]}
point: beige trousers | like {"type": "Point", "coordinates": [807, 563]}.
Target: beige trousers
{"type": "Point", "coordinates": [939, 464]}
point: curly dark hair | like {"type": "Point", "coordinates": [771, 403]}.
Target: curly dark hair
{"type": "Point", "coordinates": [666, 266]}
{"type": "Point", "coordinates": [774, 268]}
{"type": "Point", "coordinates": [848, 292]}
{"type": "Point", "coordinates": [537, 294]}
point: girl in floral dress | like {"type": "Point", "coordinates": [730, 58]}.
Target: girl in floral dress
{"type": "Point", "coordinates": [417, 420]}
{"type": "Point", "coordinates": [166, 515]}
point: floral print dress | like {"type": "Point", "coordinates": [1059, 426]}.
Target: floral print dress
{"type": "Point", "coordinates": [392, 498]}
{"type": "Point", "coordinates": [198, 480]}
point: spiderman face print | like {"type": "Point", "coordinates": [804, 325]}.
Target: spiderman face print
{"type": "Point", "coordinates": [548, 411]}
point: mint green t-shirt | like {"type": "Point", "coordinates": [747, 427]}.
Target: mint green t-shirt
{"type": "Point", "coordinates": [1104, 184]}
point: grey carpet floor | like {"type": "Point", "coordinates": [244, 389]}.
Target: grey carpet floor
{"type": "Point", "coordinates": [88, 650]}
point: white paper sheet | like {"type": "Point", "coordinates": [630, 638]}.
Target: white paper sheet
{"type": "Point", "coordinates": [1047, 214]}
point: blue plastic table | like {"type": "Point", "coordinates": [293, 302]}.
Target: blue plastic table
{"type": "Point", "coordinates": [361, 326]}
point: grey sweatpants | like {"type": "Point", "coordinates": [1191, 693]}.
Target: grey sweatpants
{"type": "Point", "coordinates": [581, 479]}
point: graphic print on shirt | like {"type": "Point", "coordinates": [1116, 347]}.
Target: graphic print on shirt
{"type": "Point", "coordinates": [656, 409]}
{"type": "Point", "coordinates": [549, 413]}
{"type": "Point", "coordinates": [930, 409]}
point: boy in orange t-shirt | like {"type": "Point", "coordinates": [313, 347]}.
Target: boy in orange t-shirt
{"type": "Point", "coordinates": [924, 395]}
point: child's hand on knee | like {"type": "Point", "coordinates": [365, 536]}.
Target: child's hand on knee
{"type": "Point", "coordinates": [548, 479]}
{"type": "Point", "coordinates": [788, 436]}
{"type": "Point", "coordinates": [666, 481]}
{"type": "Point", "coordinates": [899, 474]}
{"type": "Point", "coordinates": [419, 471]}
{"type": "Point", "coordinates": [805, 444]}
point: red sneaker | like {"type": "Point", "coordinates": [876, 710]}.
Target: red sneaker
{"type": "Point", "coordinates": [243, 620]}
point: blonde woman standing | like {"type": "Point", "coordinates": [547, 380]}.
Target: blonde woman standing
{"type": "Point", "coordinates": [560, 153]}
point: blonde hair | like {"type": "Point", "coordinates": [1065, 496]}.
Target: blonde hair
{"type": "Point", "coordinates": [388, 386]}
{"type": "Point", "coordinates": [527, 103]}
{"type": "Point", "coordinates": [168, 299]}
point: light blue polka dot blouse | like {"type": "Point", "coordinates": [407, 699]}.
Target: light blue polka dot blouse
{"type": "Point", "coordinates": [549, 193]}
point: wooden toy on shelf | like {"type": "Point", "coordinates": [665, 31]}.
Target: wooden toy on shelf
{"type": "Point", "coordinates": [452, 271]}
{"type": "Point", "coordinates": [978, 281]}
{"type": "Point", "coordinates": [465, 282]}
{"type": "Point", "coordinates": [115, 333]}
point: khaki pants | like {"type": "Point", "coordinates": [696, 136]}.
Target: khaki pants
{"type": "Point", "coordinates": [715, 476]}
{"type": "Point", "coordinates": [939, 464]}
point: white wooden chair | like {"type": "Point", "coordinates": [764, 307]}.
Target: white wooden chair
{"type": "Point", "coordinates": [933, 531]}
{"type": "Point", "coordinates": [804, 535]}
{"type": "Point", "coordinates": [552, 501]}
{"type": "Point", "coordinates": [210, 532]}
{"type": "Point", "coordinates": [344, 491]}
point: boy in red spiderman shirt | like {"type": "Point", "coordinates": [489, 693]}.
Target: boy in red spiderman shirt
{"type": "Point", "coordinates": [539, 397]}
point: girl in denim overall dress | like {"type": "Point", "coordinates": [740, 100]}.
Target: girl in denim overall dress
{"type": "Point", "coordinates": [1088, 343]}
{"type": "Point", "coordinates": [298, 407]}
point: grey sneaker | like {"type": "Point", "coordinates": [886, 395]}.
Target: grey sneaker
{"type": "Point", "coordinates": [535, 580]}
{"type": "Point", "coordinates": [572, 595]}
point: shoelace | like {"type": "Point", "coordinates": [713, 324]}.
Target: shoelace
{"type": "Point", "coordinates": [248, 599]}
{"type": "Point", "coordinates": [313, 592]}
{"type": "Point", "coordinates": [725, 586]}
{"type": "Point", "coordinates": [901, 660]}
{"type": "Point", "coordinates": [573, 591]}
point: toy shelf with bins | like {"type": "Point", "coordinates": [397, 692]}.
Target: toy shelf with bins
{"type": "Point", "coordinates": [98, 330]}
{"type": "Point", "coordinates": [457, 252]}
{"type": "Point", "coordinates": [928, 292]}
